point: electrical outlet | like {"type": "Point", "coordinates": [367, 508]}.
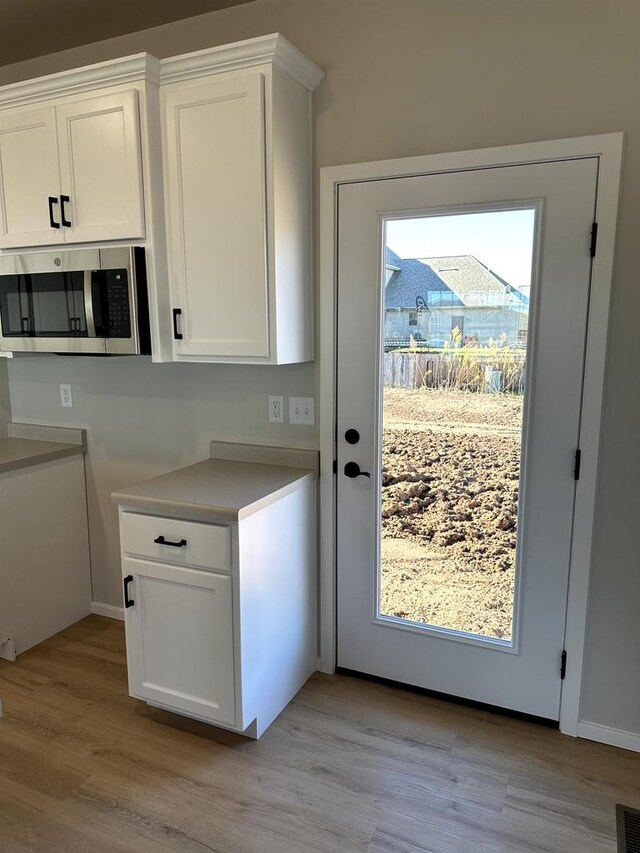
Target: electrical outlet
{"type": "Point", "coordinates": [302, 411]}
{"type": "Point", "coordinates": [66, 398]}
{"type": "Point", "coordinates": [276, 410]}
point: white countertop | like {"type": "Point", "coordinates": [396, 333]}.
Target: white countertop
{"type": "Point", "coordinates": [17, 453]}
{"type": "Point", "coordinates": [214, 490]}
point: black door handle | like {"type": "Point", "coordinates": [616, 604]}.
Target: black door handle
{"type": "Point", "coordinates": [162, 541]}
{"type": "Point", "coordinates": [128, 602]}
{"type": "Point", "coordinates": [176, 334]}
{"type": "Point", "coordinates": [63, 200]}
{"type": "Point", "coordinates": [352, 469]}
{"type": "Point", "coordinates": [52, 200]}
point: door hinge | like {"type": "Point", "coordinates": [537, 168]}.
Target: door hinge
{"type": "Point", "coordinates": [576, 465]}
{"type": "Point", "coordinates": [594, 239]}
{"type": "Point", "coordinates": [335, 466]}
{"type": "Point", "coordinates": [563, 664]}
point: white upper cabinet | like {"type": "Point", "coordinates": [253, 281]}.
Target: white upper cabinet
{"type": "Point", "coordinates": [100, 172]}
{"type": "Point", "coordinates": [237, 175]}
{"type": "Point", "coordinates": [71, 172]}
{"type": "Point", "coordinates": [216, 215]}
{"type": "Point", "coordinates": [29, 179]}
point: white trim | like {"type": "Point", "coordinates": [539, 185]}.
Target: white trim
{"type": "Point", "coordinates": [268, 49]}
{"type": "Point", "coordinates": [608, 148]}
{"type": "Point", "coordinates": [108, 610]}
{"type": "Point", "coordinates": [140, 66]}
{"type": "Point", "coordinates": [605, 734]}
{"type": "Point", "coordinates": [610, 151]}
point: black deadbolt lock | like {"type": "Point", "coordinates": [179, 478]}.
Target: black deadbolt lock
{"type": "Point", "coordinates": [352, 436]}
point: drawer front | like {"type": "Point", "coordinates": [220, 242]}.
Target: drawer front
{"type": "Point", "coordinates": [169, 540]}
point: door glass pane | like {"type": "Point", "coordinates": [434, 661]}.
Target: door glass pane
{"type": "Point", "coordinates": [455, 324]}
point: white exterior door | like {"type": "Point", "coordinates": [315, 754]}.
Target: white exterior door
{"type": "Point", "coordinates": [180, 639]}
{"type": "Point", "coordinates": [30, 179]}
{"type": "Point", "coordinates": [100, 165]}
{"type": "Point", "coordinates": [519, 669]}
{"type": "Point", "coordinates": [214, 161]}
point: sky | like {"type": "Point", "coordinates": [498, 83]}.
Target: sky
{"type": "Point", "coordinates": [503, 240]}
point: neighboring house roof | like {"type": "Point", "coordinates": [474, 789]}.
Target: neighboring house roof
{"type": "Point", "coordinates": [412, 280]}
{"type": "Point", "coordinates": [453, 281]}
{"type": "Point", "coordinates": [472, 281]}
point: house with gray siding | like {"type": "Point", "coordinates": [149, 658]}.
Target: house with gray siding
{"type": "Point", "coordinates": [450, 300]}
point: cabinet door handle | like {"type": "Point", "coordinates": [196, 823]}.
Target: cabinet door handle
{"type": "Point", "coordinates": [52, 200]}
{"type": "Point", "coordinates": [176, 334]}
{"type": "Point", "coordinates": [63, 200]}
{"type": "Point", "coordinates": [128, 602]}
{"type": "Point", "coordinates": [162, 541]}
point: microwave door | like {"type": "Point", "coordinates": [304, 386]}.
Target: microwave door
{"type": "Point", "coordinates": [58, 305]}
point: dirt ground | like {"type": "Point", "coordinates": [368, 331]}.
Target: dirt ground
{"type": "Point", "coordinates": [449, 506]}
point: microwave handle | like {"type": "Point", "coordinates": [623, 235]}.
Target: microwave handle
{"type": "Point", "coordinates": [88, 304]}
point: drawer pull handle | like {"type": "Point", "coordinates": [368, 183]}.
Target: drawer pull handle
{"type": "Point", "coordinates": [128, 602]}
{"type": "Point", "coordinates": [162, 541]}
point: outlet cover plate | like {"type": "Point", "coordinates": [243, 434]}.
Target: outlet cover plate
{"type": "Point", "coordinates": [302, 411]}
{"type": "Point", "coordinates": [276, 410]}
{"type": "Point", "coordinates": [66, 397]}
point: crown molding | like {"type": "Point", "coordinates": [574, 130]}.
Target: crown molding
{"type": "Point", "coordinates": [272, 49]}
{"type": "Point", "coordinates": [128, 69]}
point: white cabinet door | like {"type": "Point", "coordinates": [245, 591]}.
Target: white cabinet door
{"type": "Point", "coordinates": [29, 179]}
{"type": "Point", "coordinates": [180, 639]}
{"type": "Point", "coordinates": [100, 168]}
{"type": "Point", "coordinates": [214, 158]}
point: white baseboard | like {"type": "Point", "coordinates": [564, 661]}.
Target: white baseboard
{"type": "Point", "coordinates": [614, 737]}
{"type": "Point", "coordinates": [107, 610]}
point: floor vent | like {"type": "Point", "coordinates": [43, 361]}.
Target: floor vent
{"type": "Point", "coordinates": [628, 829]}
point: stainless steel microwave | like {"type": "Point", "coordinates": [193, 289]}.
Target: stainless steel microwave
{"type": "Point", "coordinates": [81, 301]}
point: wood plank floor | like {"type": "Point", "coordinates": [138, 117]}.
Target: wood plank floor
{"type": "Point", "coordinates": [349, 766]}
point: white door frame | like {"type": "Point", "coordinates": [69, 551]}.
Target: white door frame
{"type": "Point", "coordinates": [608, 148]}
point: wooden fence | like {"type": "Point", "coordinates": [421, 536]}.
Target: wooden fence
{"type": "Point", "coordinates": [488, 372]}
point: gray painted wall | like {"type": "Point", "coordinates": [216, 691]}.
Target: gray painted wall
{"type": "Point", "coordinates": [144, 419]}
{"type": "Point", "coordinates": [404, 77]}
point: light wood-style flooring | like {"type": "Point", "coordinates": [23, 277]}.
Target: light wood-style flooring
{"type": "Point", "coordinates": [349, 766]}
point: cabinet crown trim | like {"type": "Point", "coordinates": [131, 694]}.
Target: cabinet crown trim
{"type": "Point", "coordinates": [127, 69]}
{"type": "Point", "coordinates": [273, 48]}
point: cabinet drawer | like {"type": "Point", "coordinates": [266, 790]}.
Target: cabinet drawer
{"type": "Point", "coordinates": [205, 546]}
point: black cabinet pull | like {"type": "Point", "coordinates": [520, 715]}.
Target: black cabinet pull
{"type": "Point", "coordinates": [162, 541]}
{"type": "Point", "coordinates": [128, 602]}
{"type": "Point", "coordinates": [176, 334]}
{"type": "Point", "coordinates": [63, 200]}
{"type": "Point", "coordinates": [352, 469]}
{"type": "Point", "coordinates": [52, 200]}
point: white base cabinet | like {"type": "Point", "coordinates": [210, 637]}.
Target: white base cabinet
{"type": "Point", "coordinates": [180, 639]}
{"type": "Point", "coordinates": [45, 577]}
{"type": "Point", "coordinates": [221, 619]}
